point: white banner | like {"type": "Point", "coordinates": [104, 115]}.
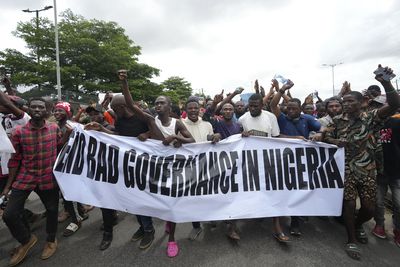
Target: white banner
{"type": "Point", "coordinates": [6, 148]}
{"type": "Point", "coordinates": [236, 178]}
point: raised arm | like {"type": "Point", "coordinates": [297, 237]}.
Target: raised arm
{"type": "Point", "coordinates": [274, 87]}
{"type": "Point", "coordinates": [9, 105]}
{"type": "Point", "coordinates": [392, 96]}
{"type": "Point", "coordinates": [7, 84]}
{"type": "Point", "coordinates": [277, 97]}
{"type": "Point", "coordinates": [228, 99]}
{"type": "Point", "coordinates": [123, 77]}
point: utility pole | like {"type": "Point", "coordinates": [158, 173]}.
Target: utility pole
{"type": "Point", "coordinates": [333, 74]}
{"type": "Point", "coordinates": [37, 30]}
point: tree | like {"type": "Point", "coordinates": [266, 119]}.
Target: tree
{"type": "Point", "coordinates": [91, 52]}
{"type": "Point", "coordinates": [177, 89]}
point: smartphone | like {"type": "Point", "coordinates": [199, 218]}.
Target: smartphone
{"type": "Point", "coordinates": [381, 71]}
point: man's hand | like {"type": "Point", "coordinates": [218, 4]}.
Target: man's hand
{"type": "Point", "coordinates": [346, 88]}
{"type": "Point", "coordinates": [262, 91]}
{"type": "Point", "coordinates": [219, 97]}
{"type": "Point", "coordinates": [238, 90]}
{"type": "Point", "coordinates": [5, 192]}
{"type": "Point", "coordinates": [95, 126]}
{"type": "Point", "coordinates": [215, 138]}
{"type": "Point", "coordinates": [143, 136]}
{"type": "Point", "coordinates": [245, 134]}
{"type": "Point", "coordinates": [289, 84]}
{"type": "Point", "coordinates": [177, 144]}
{"type": "Point", "coordinates": [386, 71]}
{"type": "Point", "coordinates": [256, 87]}
{"type": "Point", "coordinates": [309, 99]}
{"type": "Point", "coordinates": [274, 84]}
{"type": "Point", "coordinates": [123, 75]}
{"type": "Point", "coordinates": [6, 82]}
{"type": "Point", "coordinates": [341, 142]}
{"type": "Point", "coordinates": [317, 137]}
{"type": "Point", "coordinates": [168, 139]}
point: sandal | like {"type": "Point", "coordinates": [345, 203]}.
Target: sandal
{"type": "Point", "coordinates": [172, 249]}
{"type": "Point", "coordinates": [71, 229]}
{"type": "Point", "coordinates": [361, 236]}
{"type": "Point", "coordinates": [353, 251]}
{"type": "Point", "coordinates": [281, 237]}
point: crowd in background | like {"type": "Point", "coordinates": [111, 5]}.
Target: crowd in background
{"type": "Point", "coordinates": [366, 124]}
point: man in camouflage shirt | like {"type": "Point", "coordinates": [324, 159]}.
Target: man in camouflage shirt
{"type": "Point", "coordinates": [355, 130]}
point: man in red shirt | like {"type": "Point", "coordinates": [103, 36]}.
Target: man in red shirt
{"type": "Point", "coordinates": [31, 169]}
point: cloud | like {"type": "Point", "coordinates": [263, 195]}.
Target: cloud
{"type": "Point", "coordinates": [225, 44]}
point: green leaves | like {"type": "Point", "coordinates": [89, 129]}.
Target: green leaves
{"type": "Point", "coordinates": [91, 51]}
{"type": "Point", "coordinates": [177, 89]}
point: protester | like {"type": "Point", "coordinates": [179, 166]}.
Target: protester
{"type": "Point", "coordinates": [259, 122]}
{"type": "Point", "coordinates": [390, 140]}
{"type": "Point", "coordinates": [128, 123]}
{"type": "Point", "coordinates": [176, 134]}
{"type": "Point", "coordinates": [225, 128]}
{"type": "Point", "coordinates": [201, 131]}
{"type": "Point", "coordinates": [31, 169]}
{"type": "Point", "coordinates": [354, 131]}
{"type": "Point", "coordinates": [333, 108]}
{"type": "Point", "coordinates": [12, 114]}
{"type": "Point", "coordinates": [294, 125]}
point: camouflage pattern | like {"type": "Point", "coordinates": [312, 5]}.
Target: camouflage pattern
{"type": "Point", "coordinates": [360, 156]}
{"type": "Point", "coordinates": [361, 138]}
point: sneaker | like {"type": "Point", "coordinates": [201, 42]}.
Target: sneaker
{"type": "Point", "coordinates": [396, 237]}
{"type": "Point", "coordinates": [172, 249]}
{"type": "Point", "coordinates": [22, 251]}
{"type": "Point", "coordinates": [138, 235]}
{"type": "Point", "coordinates": [49, 249]}
{"type": "Point", "coordinates": [195, 233]}
{"type": "Point", "coordinates": [147, 239]}
{"type": "Point", "coordinates": [379, 231]}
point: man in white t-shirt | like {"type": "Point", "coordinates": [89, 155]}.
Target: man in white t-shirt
{"type": "Point", "coordinates": [257, 121]}
{"type": "Point", "coordinates": [262, 123]}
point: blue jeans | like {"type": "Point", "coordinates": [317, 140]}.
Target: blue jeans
{"type": "Point", "coordinates": [383, 184]}
{"type": "Point", "coordinates": [146, 223]}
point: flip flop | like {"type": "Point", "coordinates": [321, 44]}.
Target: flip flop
{"type": "Point", "coordinates": [353, 251]}
{"type": "Point", "coordinates": [71, 229]}
{"type": "Point", "coordinates": [281, 237]}
{"type": "Point", "coordinates": [361, 236]}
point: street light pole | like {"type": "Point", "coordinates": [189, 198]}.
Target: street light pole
{"type": "Point", "coordinates": [333, 74]}
{"type": "Point", "coordinates": [57, 52]}
{"type": "Point", "coordinates": [37, 29]}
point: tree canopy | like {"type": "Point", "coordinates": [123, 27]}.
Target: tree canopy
{"type": "Point", "coordinates": [176, 88]}
{"type": "Point", "coordinates": [91, 52]}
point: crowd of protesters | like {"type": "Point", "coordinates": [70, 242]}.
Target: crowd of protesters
{"type": "Point", "coordinates": [366, 124]}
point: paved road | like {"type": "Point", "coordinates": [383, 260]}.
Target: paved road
{"type": "Point", "coordinates": [321, 245]}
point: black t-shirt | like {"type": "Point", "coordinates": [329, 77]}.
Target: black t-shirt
{"type": "Point", "coordinates": [390, 139]}
{"type": "Point", "coordinates": [132, 126]}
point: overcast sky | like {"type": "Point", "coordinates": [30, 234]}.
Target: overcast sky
{"type": "Point", "coordinates": [221, 44]}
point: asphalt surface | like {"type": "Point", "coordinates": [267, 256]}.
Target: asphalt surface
{"type": "Point", "coordinates": [322, 244]}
